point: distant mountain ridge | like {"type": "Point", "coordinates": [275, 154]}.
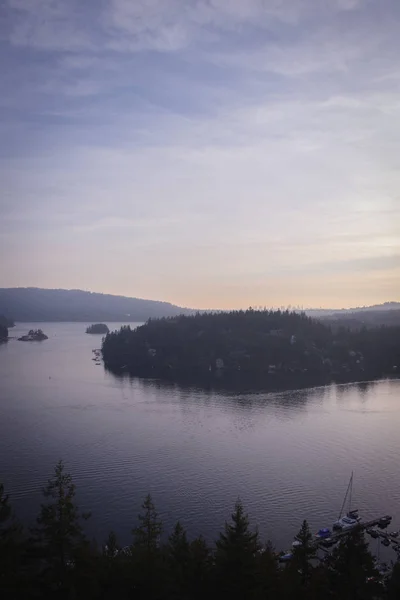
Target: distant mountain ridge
{"type": "Point", "coordinates": [362, 318]}
{"type": "Point", "coordinates": [41, 305]}
{"type": "Point", "coordinates": [38, 304]}
{"type": "Point", "coordinates": [322, 312]}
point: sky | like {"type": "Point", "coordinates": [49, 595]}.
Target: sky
{"type": "Point", "coordinates": [210, 153]}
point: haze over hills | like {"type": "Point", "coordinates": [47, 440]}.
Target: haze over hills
{"type": "Point", "coordinates": [387, 314]}
{"type": "Point", "coordinates": [320, 312]}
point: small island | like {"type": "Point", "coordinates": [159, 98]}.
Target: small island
{"type": "Point", "coordinates": [34, 335]}
{"type": "Point", "coordinates": [97, 328]}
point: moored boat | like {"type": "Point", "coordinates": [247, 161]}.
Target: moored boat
{"type": "Point", "coordinates": [373, 532]}
{"type": "Point", "coordinates": [328, 542]}
{"type": "Point", "coordinates": [323, 533]}
{"type": "Point", "coordinates": [285, 556]}
{"type": "Point", "coordinates": [351, 518]}
{"type": "Point", "coordinates": [384, 521]}
{"type": "Point", "coordinates": [345, 523]}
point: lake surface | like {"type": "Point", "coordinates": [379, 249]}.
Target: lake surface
{"type": "Point", "coordinates": [287, 455]}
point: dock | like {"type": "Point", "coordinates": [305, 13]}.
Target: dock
{"type": "Point", "coordinates": [393, 539]}
{"type": "Point", "coordinates": [380, 522]}
{"type": "Point", "coordinates": [325, 544]}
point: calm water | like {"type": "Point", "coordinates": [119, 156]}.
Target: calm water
{"type": "Point", "coordinates": [288, 455]}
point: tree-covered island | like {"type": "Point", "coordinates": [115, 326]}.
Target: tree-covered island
{"type": "Point", "coordinates": [34, 335]}
{"type": "Point", "coordinates": [97, 328]}
{"type": "Point", "coordinates": [271, 345]}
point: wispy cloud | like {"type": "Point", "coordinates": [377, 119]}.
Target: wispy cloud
{"type": "Point", "coordinates": [119, 222]}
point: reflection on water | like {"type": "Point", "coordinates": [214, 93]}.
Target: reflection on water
{"type": "Point", "coordinates": [289, 400]}
{"type": "Point", "coordinates": [239, 382]}
{"type": "Point", "coordinates": [288, 455]}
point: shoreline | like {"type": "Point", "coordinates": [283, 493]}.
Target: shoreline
{"type": "Point", "coordinates": [247, 382]}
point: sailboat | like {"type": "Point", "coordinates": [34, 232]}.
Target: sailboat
{"type": "Point", "coordinates": [351, 518]}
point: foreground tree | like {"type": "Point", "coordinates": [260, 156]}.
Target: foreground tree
{"type": "Point", "coordinates": [59, 536]}
{"type": "Point", "coordinates": [236, 557]}
{"type": "Point", "coordinates": [59, 564]}
{"type": "Point", "coordinates": [12, 551]}
{"type": "Point", "coordinates": [304, 553]}
{"type": "Point", "coordinates": [201, 566]}
{"type": "Point", "coordinates": [114, 570]}
{"type": "Point", "coordinates": [147, 534]}
{"type": "Point", "coordinates": [148, 576]}
{"type": "Point", "coordinates": [300, 570]}
{"type": "Point", "coordinates": [111, 547]}
{"type": "Point", "coordinates": [353, 575]}
{"type": "Point", "coordinates": [179, 562]}
{"type": "Point", "coordinates": [269, 574]}
{"type": "Point", "coordinates": [393, 585]}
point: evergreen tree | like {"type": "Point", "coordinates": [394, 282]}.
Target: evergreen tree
{"type": "Point", "coordinates": [178, 556]}
{"type": "Point", "coordinates": [353, 572]}
{"type": "Point", "coordinates": [299, 570]}
{"type": "Point", "coordinates": [114, 572]}
{"type": "Point", "coordinates": [111, 547]}
{"type": "Point", "coordinates": [201, 566]}
{"type": "Point", "coordinates": [147, 560]}
{"type": "Point", "coordinates": [59, 536]}
{"type": "Point", "coordinates": [178, 546]}
{"type": "Point", "coordinates": [11, 551]}
{"type": "Point", "coordinates": [268, 573]}
{"type": "Point", "coordinates": [304, 552]}
{"type": "Point", "coordinates": [393, 585]}
{"type": "Point", "coordinates": [147, 534]}
{"type": "Point", "coordinates": [237, 551]}
{"type": "Point", "coordinates": [66, 567]}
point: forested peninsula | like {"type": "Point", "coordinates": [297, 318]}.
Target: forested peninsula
{"type": "Point", "coordinates": [6, 322]}
{"type": "Point", "coordinates": [269, 346]}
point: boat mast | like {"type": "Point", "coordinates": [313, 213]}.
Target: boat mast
{"type": "Point", "coordinates": [349, 487]}
{"type": "Point", "coordinates": [351, 490]}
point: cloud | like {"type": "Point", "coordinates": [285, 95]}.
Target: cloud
{"type": "Point", "coordinates": [221, 143]}
{"type": "Point", "coordinates": [120, 222]}
{"type": "Point", "coordinates": [162, 25]}
{"type": "Point", "coordinates": [47, 25]}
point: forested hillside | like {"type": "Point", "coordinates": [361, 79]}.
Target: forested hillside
{"type": "Point", "coordinates": [36, 304]}
{"type": "Point", "coordinates": [366, 318]}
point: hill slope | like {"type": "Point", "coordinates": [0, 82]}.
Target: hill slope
{"type": "Point", "coordinates": [359, 319]}
{"type": "Point", "coordinates": [385, 307]}
{"type": "Point", "coordinates": [37, 304]}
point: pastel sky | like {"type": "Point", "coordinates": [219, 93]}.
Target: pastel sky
{"type": "Point", "coordinates": [211, 153]}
